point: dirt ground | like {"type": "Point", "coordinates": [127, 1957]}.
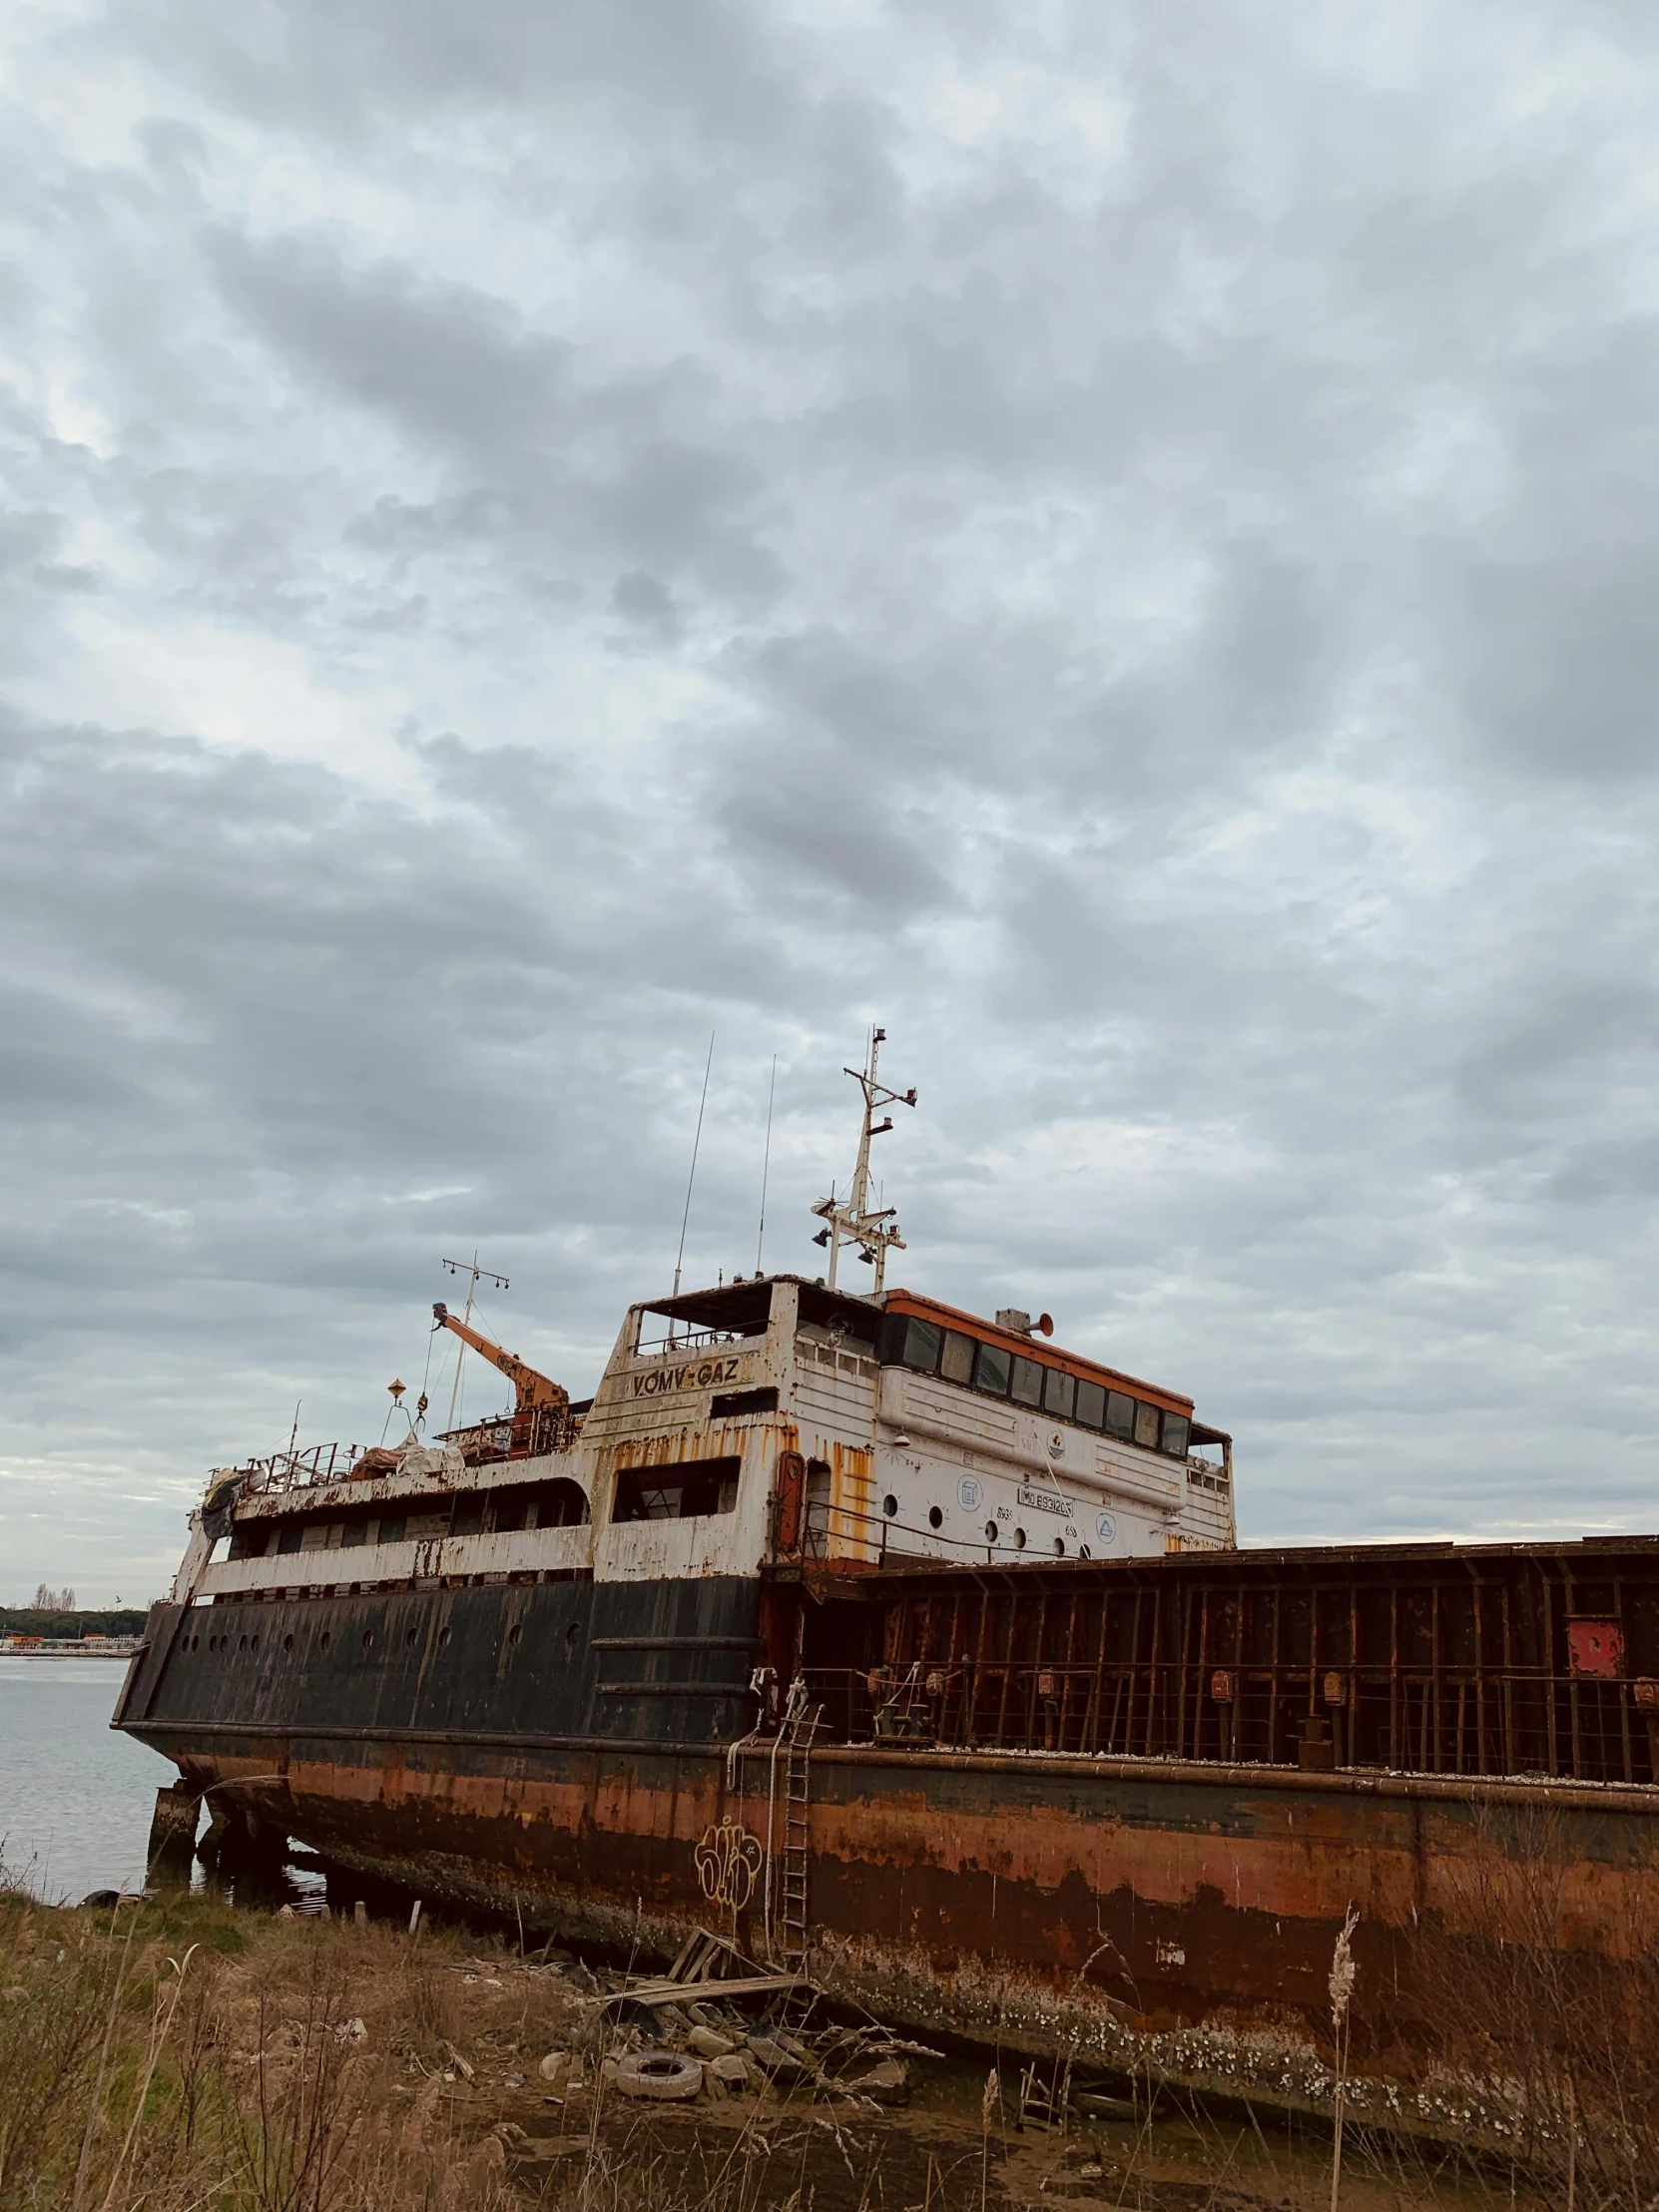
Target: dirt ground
{"type": "Point", "coordinates": [798, 2148]}
{"type": "Point", "coordinates": [182, 2050]}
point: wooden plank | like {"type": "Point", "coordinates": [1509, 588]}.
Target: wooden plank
{"type": "Point", "coordinates": [680, 1992]}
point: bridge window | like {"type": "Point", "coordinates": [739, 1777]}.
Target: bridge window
{"type": "Point", "coordinates": [1120, 1413]}
{"type": "Point", "coordinates": [1146, 1424]}
{"type": "Point", "coordinates": [1091, 1404]}
{"type": "Point", "coordinates": [956, 1360]}
{"type": "Point", "coordinates": [1059, 1392]}
{"type": "Point", "coordinates": [1027, 1385]}
{"type": "Point", "coordinates": [686, 1492]}
{"type": "Point", "coordinates": [990, 1371]}
{"type": "Point", "coordinates": [920, 1349]}
{"type": "Point", "coordinates": [1176, 1426]}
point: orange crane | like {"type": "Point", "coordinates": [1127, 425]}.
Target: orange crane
{"type": "Point", "coordinates": [536, 1393]}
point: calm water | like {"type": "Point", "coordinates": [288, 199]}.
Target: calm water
{"type": "Point", "coordinates": [74, 1797]}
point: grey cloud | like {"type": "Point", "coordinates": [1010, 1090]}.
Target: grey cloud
{"type": "Point", "coordinates": [448, 362]}
{"type": "Point", "coordinates": [1115, 545]}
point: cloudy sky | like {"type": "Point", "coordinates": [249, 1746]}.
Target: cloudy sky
{"type": "Point", "coordinates": [1117, 540]}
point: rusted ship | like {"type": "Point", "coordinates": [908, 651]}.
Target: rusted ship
{"type": "Point", "coordinates": [913, 1651]}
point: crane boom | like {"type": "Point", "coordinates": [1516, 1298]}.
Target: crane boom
{"type": "Point", "coordinates": [533, 1388]}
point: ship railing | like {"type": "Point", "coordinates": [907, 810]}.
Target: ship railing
{"type": "Point", "coordinates": [528, 1434]}
{"type": "Point", "coordinates": [686, 1341]}
{"type": "Point", "coordinates": [295, 1470]}
{"type": "Point", "coordinates": [1512, 1722]}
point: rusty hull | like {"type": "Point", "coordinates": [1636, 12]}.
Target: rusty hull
{"type": "Point", "coordinates": [1126, 1910]}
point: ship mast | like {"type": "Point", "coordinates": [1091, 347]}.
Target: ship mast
{"type": "Point", "coordinates": [850, 1220]}
{"type": "Point", "coordinates": [472, 1271]}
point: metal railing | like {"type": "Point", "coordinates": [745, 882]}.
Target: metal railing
{"type": "Point", "coordinates": [1508, 1663]}
{"type": "Point", "coordinates": [527, 1435]}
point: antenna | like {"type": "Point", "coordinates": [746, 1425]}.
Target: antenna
{"type": "Point", "coordinates": [474, 1272]}
{"type": "Point", "coordinates": [765, 1165]}
{"type": "Point", "coordinates": [691, 1179]}
{"type": "Point", "coordinates": [873, 1231]}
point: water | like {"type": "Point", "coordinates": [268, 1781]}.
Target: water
{"type": "Point", "coordinates": [75, 1795]}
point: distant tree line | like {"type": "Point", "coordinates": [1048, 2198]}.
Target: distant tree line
{"type": "Point", "coordinates": [30, 1620]}
{"type": "Point", "coordinates": [53, 1601]}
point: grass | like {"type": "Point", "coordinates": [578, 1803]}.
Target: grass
{"type": "Point", "coordinates": [180, 2056]}
{"type": "Point", "coordinates": [175, 2056]}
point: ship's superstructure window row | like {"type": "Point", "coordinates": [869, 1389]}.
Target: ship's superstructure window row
{"type": "Point", "coordinates": [557, 1504]}
{"type": "Point", "coordinates": [928, 1348]}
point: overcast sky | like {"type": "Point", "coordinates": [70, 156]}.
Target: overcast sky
{"type": "Point", "coordinates": [1118, 540]}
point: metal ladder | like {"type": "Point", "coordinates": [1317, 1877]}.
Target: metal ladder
{"type": "Point", "coordinates": [799, 1726]}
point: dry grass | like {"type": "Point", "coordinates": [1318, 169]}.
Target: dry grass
{"type": "Point", "coordinates": [148, 2059]}
{"type": "Point", "coordinates": [181, 2057]}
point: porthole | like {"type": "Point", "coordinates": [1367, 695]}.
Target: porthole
{"type": "Point", "coordinates": [242, 1643]}
{"type": "Point", "coordinates": [573, 1636]}
{"type": "Point", "coordinates": [213, 1643]}
{"type": "Point", "coordinates": [287, 1643]}
{"type": "Point", "coordinates": [936, 1518]}
{"type": "Point", "coordinates": [990, 1532]}
{"type": "Point", "coordinates": [1083, 1553]}
{"type": "Point", "coordinates": [322, 1641]}
{"type": "Point", "coordinates": [444, 1633]}
{"type": "Point", "coordinates": [889, 1505]}
{"type": "Point", "coordinates": [515, 1632]}
{"type": "Point", "coordinates": [368, 1640]}
{"type": "Point", "coordinates": [1019, 1539]}
{"type": "Point", "coordinates": [410, 1635]}
{"type": "Point", "coordinates": [253, 1643]}
{"type": "Point", "coordinates": [1059, 1548]}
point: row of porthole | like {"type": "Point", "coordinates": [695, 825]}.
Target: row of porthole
{"type": "Point", "coordinates": [993, 1534]}
{"type": "Point", "coordinates": [410, 1638]}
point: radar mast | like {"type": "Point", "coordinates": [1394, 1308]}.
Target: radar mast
{"type": "Point", "coordinates": [850, 1220]}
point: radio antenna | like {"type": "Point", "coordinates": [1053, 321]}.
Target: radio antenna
{"type": "Point", "coordinates": [691, 1179]}
{"type": "Point", "coordinates": [766, 1164]}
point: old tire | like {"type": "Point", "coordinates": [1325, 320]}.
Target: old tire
{"type": "Point", "coordinates": [668, 2076]}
